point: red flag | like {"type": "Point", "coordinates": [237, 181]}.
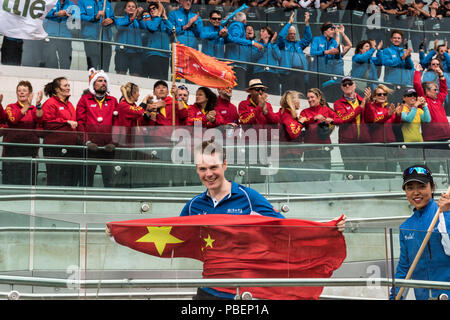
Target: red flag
{"type": "Point", "coordinates": [202, 69]}
{"type": "Point", "coordinates": [243, 246]}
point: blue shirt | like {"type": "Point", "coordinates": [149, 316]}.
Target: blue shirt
{"type": "Point", "coordinates": [240, 201]}
{"type": "Point", "coordinates": [434, 264]}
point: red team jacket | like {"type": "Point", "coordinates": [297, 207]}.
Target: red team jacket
{"type": "Point", "coordinates": [95, 119]}
{"type": "Point", "coordinates": [55, 117]}
{"type": "Point", "coordinates": [312, 126]}
{"type": "Point", "coordinates": [196, 114]}
{"type": "Point", "coordinates": [438, 128]}
{"type": "Point", "coordinates": [349, 132]}
{"type": "Point", "coordinates": [227, 110]}
{"type": "Point", "coordinates": [380, 124]}
{"type": "Point", "coordinates": [250, 113]}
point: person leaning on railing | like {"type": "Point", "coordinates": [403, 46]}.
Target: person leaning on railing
{"type": "Point", "coordinates": [23, 119]}
{"type": "Point", "coordinates": [60, 128]}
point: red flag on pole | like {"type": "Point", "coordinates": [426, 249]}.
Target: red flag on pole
{"type": "Point", "coordinates": [202, 69]}
{"type": "Point", "coordinates": [243, 246]}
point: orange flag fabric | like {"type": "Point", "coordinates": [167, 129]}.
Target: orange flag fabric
{"type": "Point", "coordinates": [202, 69]}
{"type": "Point", "coordinates": [243, 246]}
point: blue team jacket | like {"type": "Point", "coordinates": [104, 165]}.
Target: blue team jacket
{"type": "Point", "coordinates": [292, 55]}
{"type": "Point", "coordinates": [237, 46]}
{"type": "Point", "coordinates": [128, 32]}
{"type": "Point", "coordinates": [158, 36]}
{"type": "Point", "coordinates": [396, 70]}
{"type": "Point", "coordinates": [326, 63]}
{"type": "Point", "coordinates": [212, 44]}
{"type": "Point", "coordinates": [90, 28]}
{"type": "Point", "coordinates": [57, 26]}
{"type": "Point", "coordinates": [363, 63]}
{"type": "Point", "coordinates": [425, 60]}
{"type": "Point", "coordinates": [188, 37]}
{"type": "Point", "coordinates": [270, 56]}
{"type": "Point", "coordinates": [434, 264]}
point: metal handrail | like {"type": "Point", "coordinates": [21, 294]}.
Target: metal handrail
{"type": "Point", "coordinates": [241, 282]}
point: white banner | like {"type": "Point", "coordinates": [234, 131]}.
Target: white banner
{"type": "Point", "coordinates": [22, 19]}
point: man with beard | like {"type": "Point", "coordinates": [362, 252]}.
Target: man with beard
{"type": "Point", "coordinates": [95, 118]}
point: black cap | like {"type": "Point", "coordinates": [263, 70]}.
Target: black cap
{"type": "Point", "coordinates": [419, 173]}
{"type": "Point", "coordinates": [409, 92]}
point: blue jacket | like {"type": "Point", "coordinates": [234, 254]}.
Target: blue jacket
{"type": "Point", "coordinates": [241, 201]}
{"type": "Point", "coordinates": [434, 264]}
{"type": "Point", "coordinates": [57, 26]}
{"type": "Point", "coordinates": [270, 56]}
{"type": "Point", "coordinates": [326, 63]}
{"type": "Point", "coordinates": [364, 65]}
{"type": "Point", "coordinates": [292, 55]}
{"type": "Point", "coordinates": [396, 70]}
{"type": "Point", "coordinates": [212, 44]}
{"type": "Point", "coordinates": [425, 60]}
{"type": "Point", "coordinates": [158, 37]}
{"type": "Point", "coordinates": [128, 32]}
{"type": "Point", "coordinates": [237, 46]}
{"type": "Point", "coordinates": [188, 37]}
{"type": "Point", "coordinates": [90, 28]}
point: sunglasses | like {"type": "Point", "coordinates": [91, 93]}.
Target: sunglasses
{"type": "Point", "coordinates": [347, 84]}
{"type": "Point", "coordinates": [152, 8]}
{"type": "Point", "coordinates": [383, 94]}
{"type": "Point", "coordinates": [216, 19]}
{"type": "Point", "coordinates": [418, 170]}
{"type": "Point", "coordinates": [182, 87]}
{"type": "Point", "coordinates": [411, 95]}
{"type": "Point", "coordinates": [259, 89]}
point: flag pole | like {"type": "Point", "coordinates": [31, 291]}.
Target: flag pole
{"type": "Point", "coordinates": [174, 73]}
{"type": "Point", "coordinates": [422, 247]}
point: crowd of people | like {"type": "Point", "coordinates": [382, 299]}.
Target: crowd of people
{"type": "Point", "coordinates": [101, 123]}
{"type": "Point", "coordinates": [275, 56]}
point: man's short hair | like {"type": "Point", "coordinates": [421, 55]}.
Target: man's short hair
{"type": "Point", "coordinates": [209, 147]}
{"type": "Point", "coordinates": [160, 82]}
{"type": "Point", "coordinates": [215, 12]}
{"type": "Point", "coordinates": [400, 32]}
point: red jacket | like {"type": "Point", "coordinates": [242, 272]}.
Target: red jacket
{"type": "Point", "coordinates": [17, 120]}
{"type": "Point", "coordinates": [164, 116]}
{"type": "Point", "coordinates": [379, 123]}
{"type": "Point", "coordinates": [128, 118]}
{"type": "Point", "coordinates": [196, 114]}
{"type": "Point", "coordinates": [55, 117]}
{"type": "Point", "coordinates": [95, 119]}
{"type": "Point", "coordinates": [227, 110]}
{"type": "Point", "coordinates": [292, 133]}
{"type": "Point", "coordinates": [438, 128]}
{"type": "Point", "coordinates": [348, 130]}
{"type": "Point", "coordinates": [250, 113]}
{"type": "Point", "coordinates": [313, 130]}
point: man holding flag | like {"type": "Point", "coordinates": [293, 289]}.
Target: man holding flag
{"type": "Point", "coordinates": [237, 233]}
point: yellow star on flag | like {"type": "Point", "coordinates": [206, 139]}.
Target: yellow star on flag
{"type": "Point", "coordinates": [160, 236]}
{"type": "Point", "coordinates": [209, 241]}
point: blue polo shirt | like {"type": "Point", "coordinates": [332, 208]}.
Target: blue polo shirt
{"type": "Point", "coordinates": [240, 201]}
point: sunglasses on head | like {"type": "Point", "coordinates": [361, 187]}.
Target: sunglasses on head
{"type": "Point", "coordinates": [418, 170]}
{"type": "Point", "coordinates": [183, 87]}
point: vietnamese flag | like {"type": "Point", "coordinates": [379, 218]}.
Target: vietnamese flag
{"type": "Point", "coordinates": [202, 69]}
{"type": "Point", "coordinates": [243, 246]}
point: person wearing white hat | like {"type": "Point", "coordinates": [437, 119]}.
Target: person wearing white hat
{"type": "Point", "coordinates": [256, 109]}
{"type": "Point", "coordinates": [95, 111]}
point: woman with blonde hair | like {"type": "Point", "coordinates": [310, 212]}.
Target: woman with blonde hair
{"type": "Point", "coordinates": [380, 117]}
{"type": "Point", "coordinates": [291, 135]}
{"type": "Point", "coordinates": [128, 120]}
{"type": "Point", "coordinates": [320, 121]}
